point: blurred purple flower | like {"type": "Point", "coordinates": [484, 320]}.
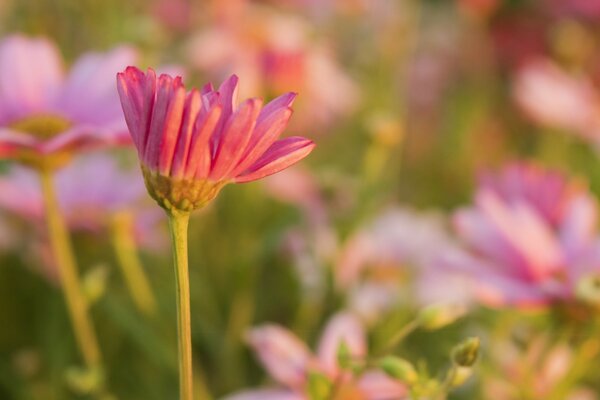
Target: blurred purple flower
{"type": "Point", "coordinates": [43, 111]}
{"type": "Point", "coordinates": [289, 361]}
{"type": "Point", "coordinates": [529, 237]}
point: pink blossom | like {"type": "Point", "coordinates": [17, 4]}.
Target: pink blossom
{"type": "Point", "coordinates": [554, 98]}
{"type": "Point", "coordinates": [376, 262]}
{"type": "Point", "coordinates": [289, 361]}
{"type": "Point", "coordinates": [205, 135]}
{"type": "Point", "coordinates": [529, 237]}
{"type": "Point", "coordinates": [108, 189]}
{"type": "Point", "coordinates": [541, 367]}
{"type": "Point", "coordinates": [43, 111]}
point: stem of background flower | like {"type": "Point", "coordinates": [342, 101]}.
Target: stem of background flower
{"type": "Point", "coordinates": [398, 337]}
{"type": "Point", "coordinates": [62, 249]}
{"type": "Point", "coordinates": [127, 257]}
{"type": "Point", "coordinates": [178, 224]}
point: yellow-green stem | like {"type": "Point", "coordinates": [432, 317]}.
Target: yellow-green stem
{"type": "Point", "coordinates": [178, 224]}
{"type": "Point", "coordinates": [127, 257]}
{"type": "Point", "coordinates": [62, 249]}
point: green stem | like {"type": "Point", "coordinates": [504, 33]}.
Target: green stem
{"type": "Point", "coordinates": [178, 224]}
{"type": "Point", "coordinates": [62, 249]}
{"type": "Point", "coordinates": [127, 257]}
{"type": "Point", "coordinates": [399, 337]}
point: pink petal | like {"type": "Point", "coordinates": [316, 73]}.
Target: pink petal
{"type": "Point", "coordinates": [279, 156]}
{"type": "Point", "coordinates": [235, 137]}
{"type": "Point", "coordinates": [200, 157]}
{"type": "Point", "coordinates": [192, 107]}
{"type": "Point", "coordinates": [266, 132]}
{"type": "Point", "coordinates": [343, 327]}
{"type": "Point", "coordinates": [284, 101]}
{"type": "Point", "coordinates": [137, 92]}
{"type": "Point", "coordinates": [30, 76]}
{"type": "Point", "coordinates": [284, 356]}
{"type": "Point", "coordinates": [166, 120]}
{"type": "Point", "coordinates": [265, 394]}
{"type": "Point", "coordinates": [93, 74]}
{"type": "Point", "coordinates": [378, 386]}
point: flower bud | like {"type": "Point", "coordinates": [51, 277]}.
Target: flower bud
{"type": "Point", "coordinates": [399, 368]}
{"type": "Point", "coordinates": [461, 374]}
{"type": "Point", "coordinates": [465, 354]}
{"type": "Point", "coordinates": [588, 289]}
{"type": "Point", "coordinates": [439, 315]}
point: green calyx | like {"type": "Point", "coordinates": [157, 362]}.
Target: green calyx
{"type": "Point", "coordinates": [180, 195]}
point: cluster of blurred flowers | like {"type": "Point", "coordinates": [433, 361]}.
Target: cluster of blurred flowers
{"type": "Point", "coordinates": [527, 242]}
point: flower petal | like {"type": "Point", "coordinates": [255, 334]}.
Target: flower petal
{"type": "Point", "coordinates": [30, 76]}
{"type": "Point", "coordinates": [343, 327]}
{"type": "Point", "coordinates": [279, 156]}
{"type": "Point", "coordinates": [235, 137]}
{"type": "Point", "coordinates": [284, 356]}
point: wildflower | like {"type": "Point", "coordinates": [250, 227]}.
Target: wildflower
{"type": "Point", "coordinates": [553, 98]}
{"type": "Point", "coordinates": [289, 361]}
{"type": "Point", "coordinates": [192, 144]}
{"type": "Point", "coordinates": [45, 115]}
{"type": "Point", "coordinates": [109, 189]}
{"type": "Point", "coordinates": [529, 238]}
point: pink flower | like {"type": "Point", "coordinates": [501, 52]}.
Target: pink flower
{"type": "Point", "coordinates": [204, 136]}
{"type": "Point", "coordinates": [289, 361]}
{"type": "Point", "coordinates": [529, 238]}
{"type": "Point", "coordinates": [541, 366]}
{"type": "Point", "coordinates": [273, 52]}
{"type": "Point", "coordinates": [43, 112]}
{"type": "Point", "coordinates": [108, 190]}
{"type": "Point", "coordinates": [553, 98]}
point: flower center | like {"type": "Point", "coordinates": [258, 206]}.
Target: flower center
{"type": "Point", "coordinates": [43, 126]}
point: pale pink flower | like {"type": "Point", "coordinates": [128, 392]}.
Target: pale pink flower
{"type": "Point", "coordinates": [539, 367]}
{"type": "Point", "coordinates": [289, 361]}
{"type": "Point", "coordinates": [43, 111]}
{"type": "Point", "coordinates": [204, 136]}
{"type": "Point", "coordinates": [392, 259]}
{"type": "Point", "coordinates": [274, 52]}
{"type": "Point", "coordinates": [108, 189]}
{"type": "Point", "coordinates": [554, 98]}
{"type": "Point", "coordinates": [529, 237]}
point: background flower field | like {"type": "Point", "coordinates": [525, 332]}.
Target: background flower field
{"type": "Point", "coordinates": [452, 194]}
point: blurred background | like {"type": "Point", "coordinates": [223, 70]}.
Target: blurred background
{"type": "Point", "coordinates": [409, 102]}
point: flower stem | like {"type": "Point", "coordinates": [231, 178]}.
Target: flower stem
{"type": "Point", "coordinates": [62, 250]}
{"type": "Point", "coordinates": [133, 271]}
{"type": "Point", "coordinates": [178, 223]}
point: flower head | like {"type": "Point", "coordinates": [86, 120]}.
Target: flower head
{"type": "Point", "coordinates": [109, 190]}
{"type": "Point", "coordinates": [45, 115]}
{"type": "Point", "coordinates": [191, 144]}
{"type": "Point", "coordinates": [289, 361]}
{"type": "Point", "coordinates": [530, 237]}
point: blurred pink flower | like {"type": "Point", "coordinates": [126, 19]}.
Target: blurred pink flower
{"type": "Point", "coordinates": [529, 238]}
{"type": "Point", "coordinates": [553, 98]}
{"type": "Point", "coordinates": [272, 52]}
{"type": "Point", "coordinates": [44, 112]}
{"type": "Point", "coordinates": [108, 189]}
{"type": "Point", "coordinates": [204, 135]}
{"type": "Point", "coordinates": [540, 367]}
{"type": "Point", "coordinates": [289, 361]}
{"type": "Point", "coordinates": [393, 259]}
